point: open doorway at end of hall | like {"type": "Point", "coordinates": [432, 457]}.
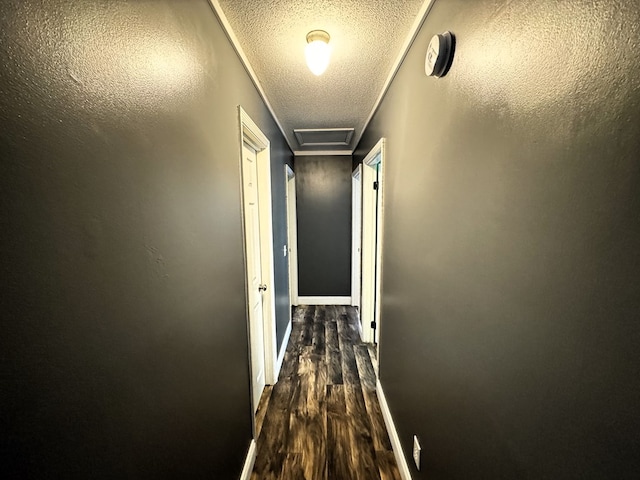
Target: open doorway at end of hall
{"type": "Point", "coordinates": [367, 218]}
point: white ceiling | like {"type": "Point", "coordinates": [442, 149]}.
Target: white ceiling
{"type": "Point", "coordinates": [368, 41]}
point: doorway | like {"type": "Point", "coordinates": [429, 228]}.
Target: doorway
{"type": "Point", "coordinates": [356, 240]}
{"type": "Point", "coordinates": [292, 235]}
{"type": "Point", "coordinates": [255, 287]}
{"type": "Point", "coordinates": [372, 227]}
{"type": "Point", "coordinates": [259, 256]}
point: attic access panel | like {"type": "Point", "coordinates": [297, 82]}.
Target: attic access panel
{"type": "Point", "coordinates": [323, 137]}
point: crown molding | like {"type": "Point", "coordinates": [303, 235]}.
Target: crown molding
{"type": "Point", "coordinates": [413, 32]}
{"type": "Point", "coordinates": [226, 26]}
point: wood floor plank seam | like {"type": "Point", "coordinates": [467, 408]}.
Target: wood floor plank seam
{"type": "Point", "coordinates": [322, 419]}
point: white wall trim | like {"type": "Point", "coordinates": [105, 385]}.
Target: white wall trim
{"type": "Point", "coordinates": [413, 32]}
{"type": "Point", "coordinates": [393, 434]}
{"type": "Point", "coordinates": [324, 300]}
{"type": "Point", "coordinates": [226, 26]}
{"type": "Point", "coordinates": [283, 349]}
{"type": "Point", "coordinates": [324, 153]}
{"type": "Point", "coordinates": [249, 461]}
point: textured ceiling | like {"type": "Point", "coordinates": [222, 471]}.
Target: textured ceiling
{"type": "Point", "coordinates": [367, 38]}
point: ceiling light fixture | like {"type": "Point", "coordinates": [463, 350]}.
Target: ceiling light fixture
{"type": "Point", "coordinates": [317, 51]}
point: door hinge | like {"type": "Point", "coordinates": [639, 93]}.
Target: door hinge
{"type": "Point", "coordinates": [375, 185]}
{"type": "Point", "coordinates": [374, 325]}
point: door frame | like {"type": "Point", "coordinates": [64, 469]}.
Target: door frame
{"type": "Point", "coordinates": [372, 234]}
{"type": "Point", "coordinates": [253, 136]}
{"type": "Point", "coordinates": [292, 234]}
{"type": "Point", "coordinates": [356, 236]}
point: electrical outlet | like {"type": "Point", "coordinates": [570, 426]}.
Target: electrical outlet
{"type": "Point", "coordinates": [416, 451]}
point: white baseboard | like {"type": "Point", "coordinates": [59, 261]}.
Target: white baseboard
{"type": "Point", "coordinates": [283, 348]}
{"type": "Point", "coordinates": [393, 434]}
{"type": "Point", "coordinates": [324, 300]}
{"type": "Point", "coordinates": [248, 463]}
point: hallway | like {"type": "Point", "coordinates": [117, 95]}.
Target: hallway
{"type": "Point", "coordinates": [322, 420]}
{"type": "Point", "coordinates": [509, 263]}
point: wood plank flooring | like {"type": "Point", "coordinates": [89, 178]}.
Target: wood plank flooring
{"type": "Point", "coordinates": [322, 420]}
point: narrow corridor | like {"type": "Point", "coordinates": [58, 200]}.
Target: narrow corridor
{"type": "Point", "coordinates": [322, 420]}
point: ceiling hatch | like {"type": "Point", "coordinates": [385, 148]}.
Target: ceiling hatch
{"type": "Point", "coordinates": [323, 137]}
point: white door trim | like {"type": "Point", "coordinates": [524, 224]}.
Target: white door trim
{"type": "Point", "coordinates": [356, 235]}
{"type": "Point", "coordinates": [292, 234]}
{"type": "Point", "coordinates": [372, 227]}
{"type": "Point", "coordinates": [252, 135]}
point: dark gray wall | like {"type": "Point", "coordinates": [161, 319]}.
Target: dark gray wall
{"type": "Point", "coordinates": [124, 337]}
{"type": "Point", "coordinates": [511, 281]}
{"type": "Point", "coordinates": [280, 154]}
{"type": "Point", "coordinates": [323, 194]}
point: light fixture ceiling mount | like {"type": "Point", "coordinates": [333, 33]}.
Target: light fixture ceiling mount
{"type": "Point", "coordinates": [317, 51]}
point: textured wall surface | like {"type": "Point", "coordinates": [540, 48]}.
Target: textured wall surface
{"type": "Point", "coordinates": [511, 280]}
{"type": "Point", "coordinates": [323, 186]}
{"type": "Point", "coordinates": [124, 337]}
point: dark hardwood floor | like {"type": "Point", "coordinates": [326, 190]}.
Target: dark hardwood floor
{"type": "Point", "coordinates": [322, 420]}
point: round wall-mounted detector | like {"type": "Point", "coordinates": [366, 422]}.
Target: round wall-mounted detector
{"type": "Point", "coordinates": [439, 54]}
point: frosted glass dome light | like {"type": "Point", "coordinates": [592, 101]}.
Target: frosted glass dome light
{"type": "Point", "coordinates": [317, 51]}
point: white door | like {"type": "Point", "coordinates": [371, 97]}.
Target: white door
{"type": "Point", "coordinates": [254, 271]}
